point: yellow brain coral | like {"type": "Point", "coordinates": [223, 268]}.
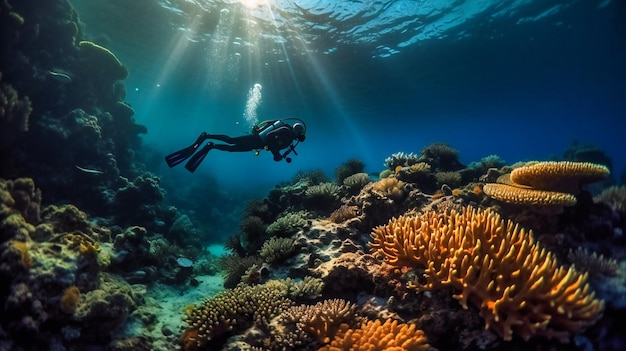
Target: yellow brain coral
{"type": "Point", "coordinates": [377, 336]}
{"type": "Point", "coordinates": [495, 265]}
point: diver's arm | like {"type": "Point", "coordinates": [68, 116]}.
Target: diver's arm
{"type": "Point", "coordinates": [277, 155]}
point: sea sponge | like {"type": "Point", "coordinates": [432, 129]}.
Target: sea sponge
{"type": "Point", "coordinates": [377, 336]}
{"type": "Point", "coordinates": [231, 310]}
{"type": "Point", "coordinates": [69, 299]}
{"type": "Point", "coordinates": [563, 176]}
{"type": "Point", "coordinates": [497, 266]}
{"type": "Point", "coordinates": [23, 248]}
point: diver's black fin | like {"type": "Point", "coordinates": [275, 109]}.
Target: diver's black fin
{"type": "Point", "coordinates": [195, 161]}
{"type": "Point", "coordinates": [177, 157]}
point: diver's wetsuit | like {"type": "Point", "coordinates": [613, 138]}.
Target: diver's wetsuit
{"type": "Point", "coordinates": [275, 141]}
{"type": "Point", "coordinates": [273, 136]}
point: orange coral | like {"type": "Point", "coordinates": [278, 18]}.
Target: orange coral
{"type": "Point", "coordinates": [545, 183]}
{"type": "Point", "coordinates": [497, 266]}
{"type": "Point", "coordinates": [323, 320]}
{"type": "Point", "coordinates": [377, 336]}
{"type": "Point", "coordinates": [69, 300]}
{"type": "Point", "coordinates": [564, 176]}
{"type": "Point", "coordinates": [525, 196]}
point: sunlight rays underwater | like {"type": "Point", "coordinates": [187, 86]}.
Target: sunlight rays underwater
{"type": "Point", "coordinates": [242, 53]}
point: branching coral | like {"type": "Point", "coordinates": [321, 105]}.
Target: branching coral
{"type": "Point", "coordinates": [400, 159]}
{"type": "Point", "coordinates": [497, 266]}
{"type": "Point", "coordinates": [343, 213]}
{"type": "Point", "coordinates": [614, 196]}
{"type": "Point", "coordinates": [276, 249]}
{"type": "Point", "coordinates": [307, 288]}
{"type": "Point", "coordinates": [231, 310]}
{"type": "Point", "coordinates": [234, 267]}
{"type": "Point", "coordinates": [377, 336]}
{"type": "Point", "coordinates": [323, 320]}
{"type": "Point", "coordinates": [287, 224]}
{"type": "Point", "coordinates": [592, 263]}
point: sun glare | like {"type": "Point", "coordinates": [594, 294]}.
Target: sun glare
{"type": "Point", "coordinates": [252, 4]}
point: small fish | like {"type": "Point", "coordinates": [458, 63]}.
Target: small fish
{"type": "Point", "coordinates": [60, 76]}
{"type": "Point", "coordinates": [87, 170]}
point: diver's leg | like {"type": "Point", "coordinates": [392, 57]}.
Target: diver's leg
{"type": "Point", "coordinates": [196, 159]}
{"type": "Point", "coordinates": [232, 148]}
{"type": "Point", "coordinates": [222, 137]}
{"type": "Point", "coordinates": [177, 157]}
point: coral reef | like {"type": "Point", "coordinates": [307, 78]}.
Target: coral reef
{"type": "Point", "coordinates": [356, 181]}
{"type": "Point", "coordinates": [288, 224]}
{"type": "Point", "coordinates": [545, 183]}
{"type": "Point", "coordinates": [465, 250]}
{"type": "Point", "coordinates": [347, 169]}
{"type": "Point", "coordinates": [14, 114]}
{"type": "Point", "coordinates": [614, 196]}
{"type": "Point", "coordinates": [276, 249]}
{"type": "Point", "coordinates": [232, 310]}
{"type": "Point", "coordinates": [377, 336]}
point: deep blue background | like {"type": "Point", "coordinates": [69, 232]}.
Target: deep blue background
{"type": "Point", "coordinates": [519, 89]}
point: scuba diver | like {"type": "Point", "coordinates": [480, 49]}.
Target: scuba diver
{"type": "Point", "coordinates": [272, 135]}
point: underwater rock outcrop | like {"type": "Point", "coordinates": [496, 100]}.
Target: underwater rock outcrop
{"type": "Point", "coordinates": [52, 269]}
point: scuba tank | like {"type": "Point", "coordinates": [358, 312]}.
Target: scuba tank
{"type": "Point", "coordinates": [263, 130]}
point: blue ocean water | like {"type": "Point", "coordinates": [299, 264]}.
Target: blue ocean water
{"type": "Point", "coordinates": [520, 79]}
